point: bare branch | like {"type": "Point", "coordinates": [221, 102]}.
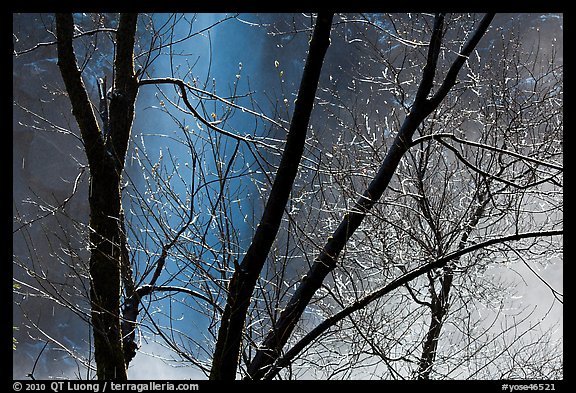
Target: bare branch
{"type": "Point", "coordinates": [325, 262]}
{"type": "Point", "coordinates": [59, 207]}
{"type": "Point", "coordinates": [146, 290]}
{"type": "Point", "coordinates": [81, 106]}
{"type": "Point", "coordinates": [490, 175]}
{"type": "Point", "coordinates": [246, 274]}
{"type": "Point", "coordinates": [50, 43]}
{"type": "Point", "coordinates": [400, 281]}
{"type": "Point", "coordinates": [437, 136]}
{"type": "Point", "coordinates": [467, 49]}
{"type": "Point", "coordinates": [249, 139]}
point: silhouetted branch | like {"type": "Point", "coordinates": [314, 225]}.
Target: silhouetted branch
{"type": "Point", "coordinates": [400, 281]}
{"type": "Point", "coordinates": [438, 136]}
{"type": "Point", "coordinates": [31, 374]}
{"type": "Point", "coordinates": [211, 124]}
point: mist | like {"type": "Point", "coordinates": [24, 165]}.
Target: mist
{"type": "Point", "coordinates": [256, 57]}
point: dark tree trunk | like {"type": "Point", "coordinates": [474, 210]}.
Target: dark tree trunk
{"type": "Point", "coordinates": [272, 346]}
{"type": "Point", "coordinates": [244, 279]}
{"type": "Point", "coordinates": [439, 308]}
{"type": "Point", "coordinates": [106, 162]}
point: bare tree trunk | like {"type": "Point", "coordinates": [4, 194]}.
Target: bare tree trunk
{"type": "Point", "coordinates": [245, 276]}
{"type": "Point", "coordinates": [106, 162]}
{"type": "Point", "coordinates": [439, 306]}
{"type": "Point", "coordinates": [272, 346]}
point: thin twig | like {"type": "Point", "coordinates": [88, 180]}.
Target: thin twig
{"type": "Point", "coordinates": [55, 209]}
{"type": "Point", "coordinates": [89, 32]}
{"type": "Point", "coordinates": [249, 139]}
{"type": "Point", "coordinates": [400, 281]}
{"type": "Point", "coordinates": [31, 374]}
{"type": "Point", "coordinates": [487, 147]}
